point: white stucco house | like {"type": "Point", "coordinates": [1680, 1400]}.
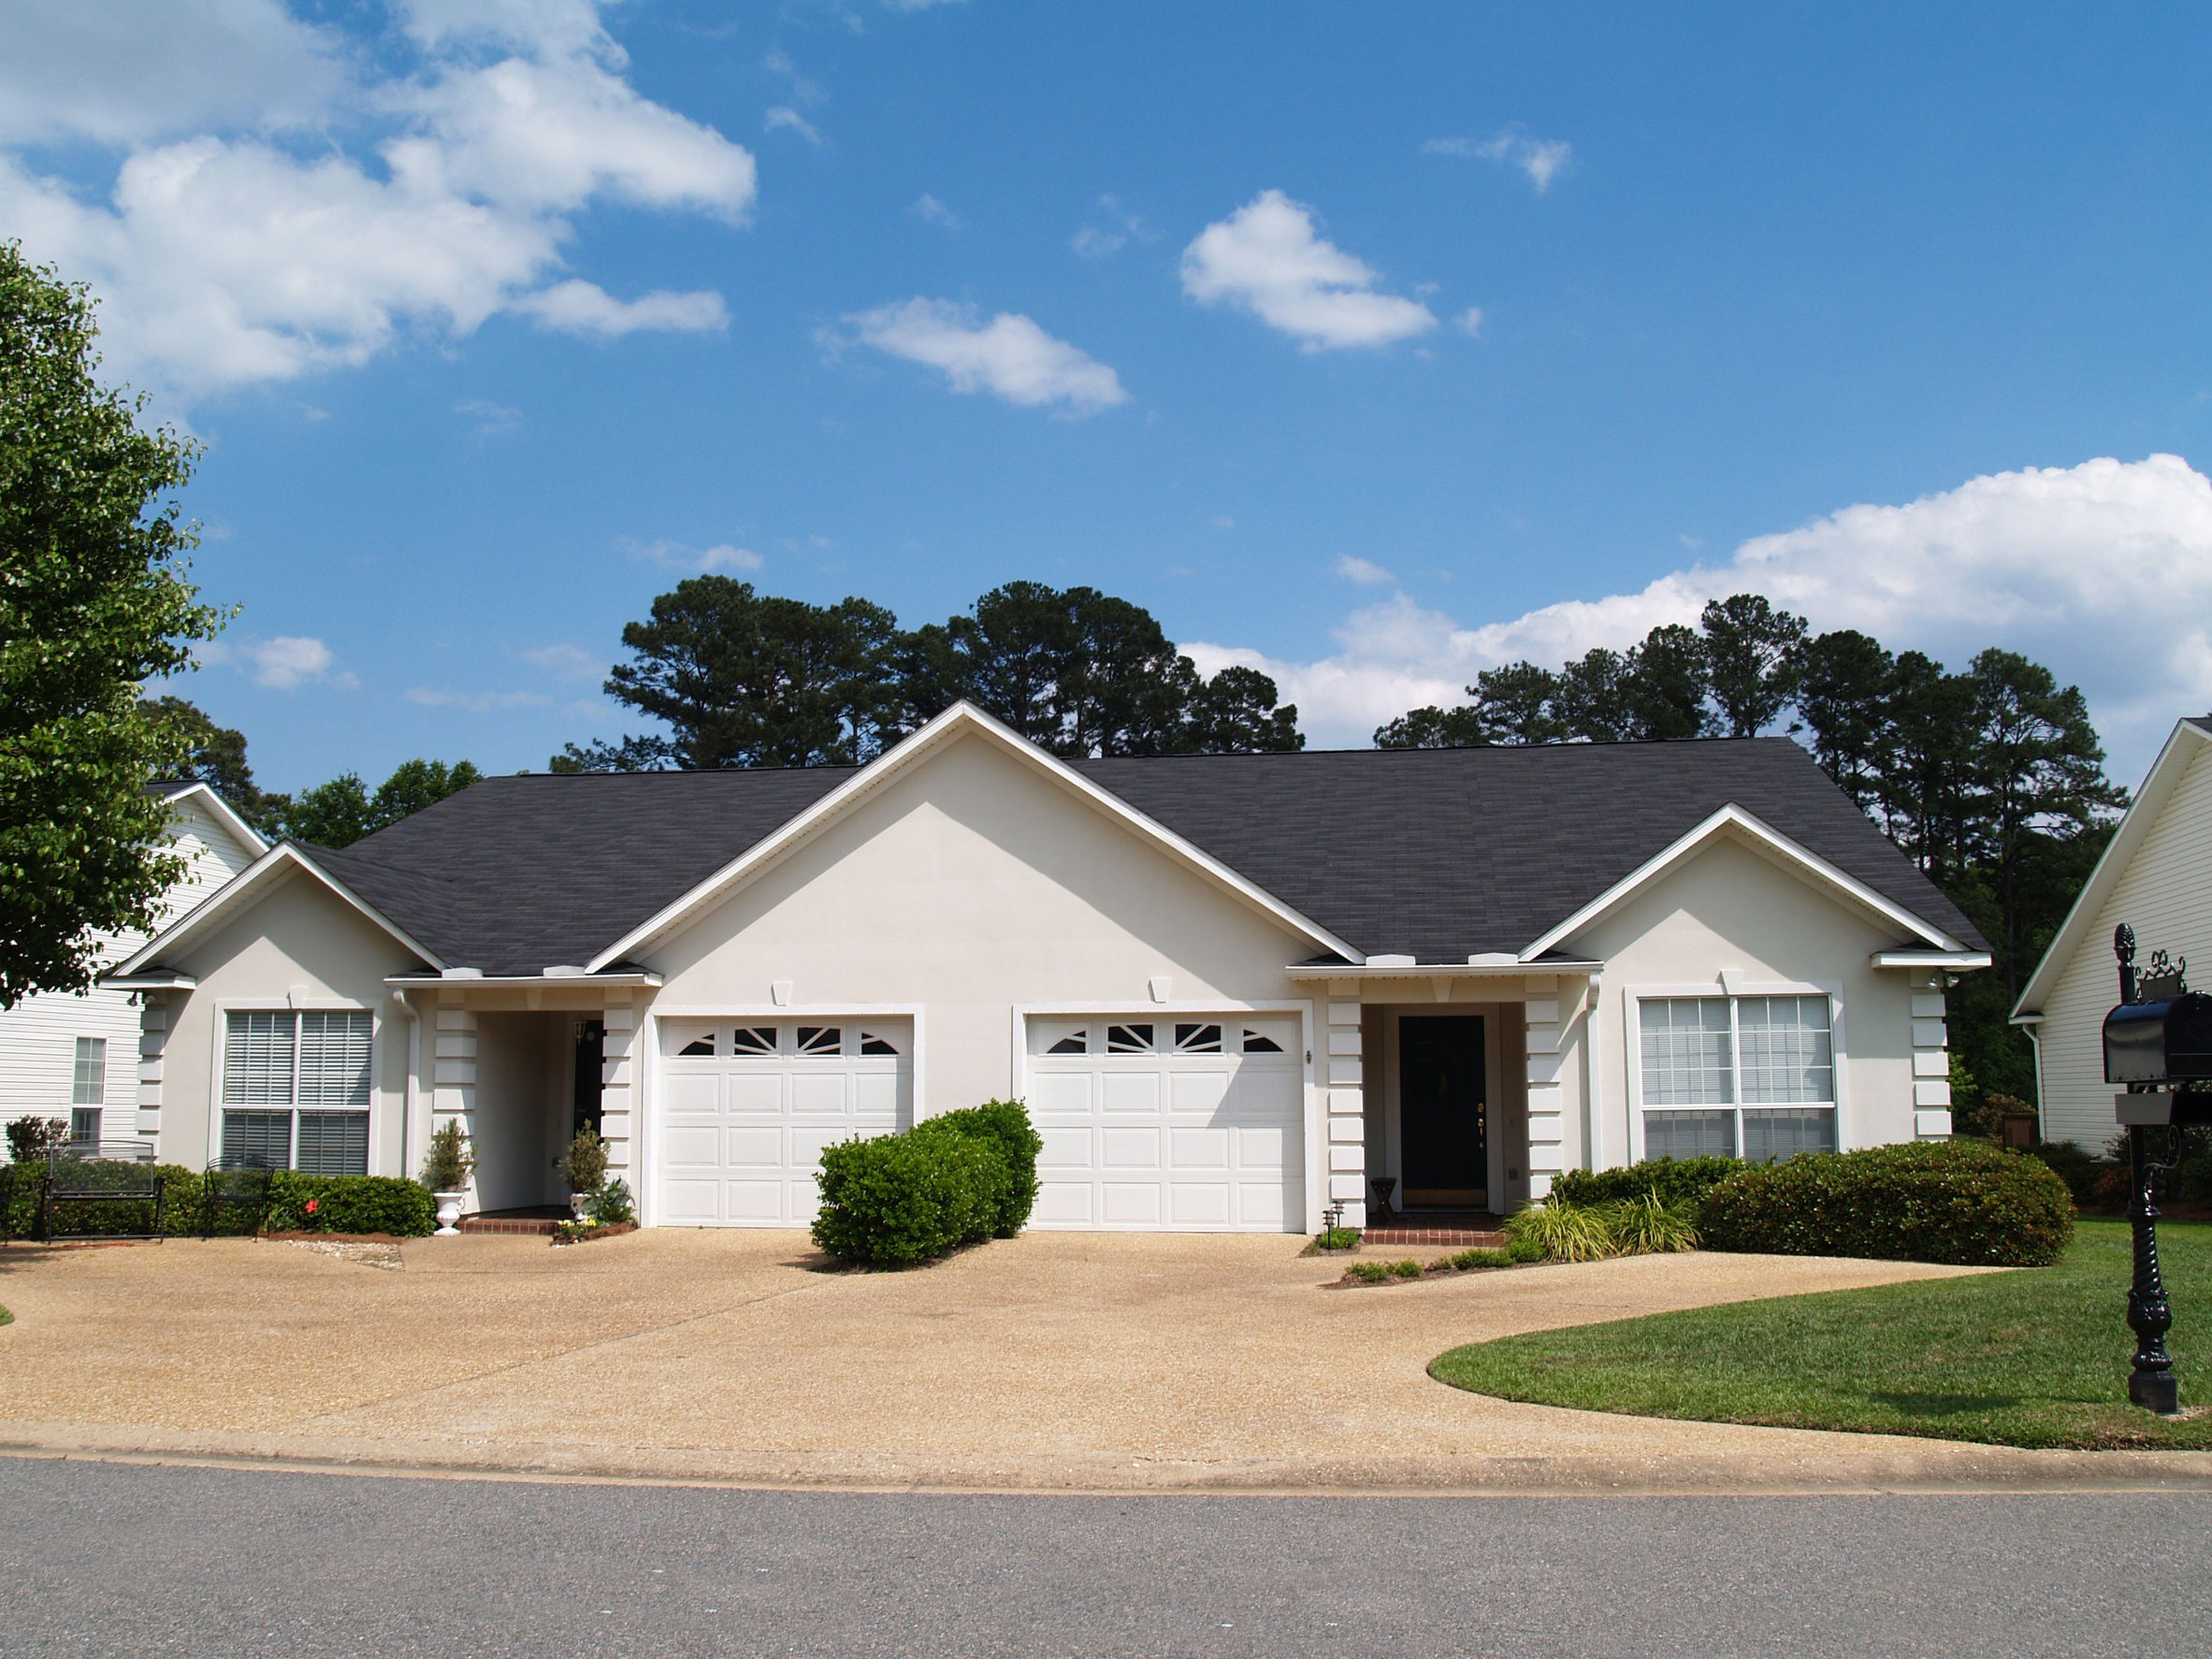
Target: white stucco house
{"type": "Point", "coordinates": [1231, 989]}
{"type": "Point", "coordinates": [75, 1055]}
{"type": "Point", "coordinates": [2156, 877]}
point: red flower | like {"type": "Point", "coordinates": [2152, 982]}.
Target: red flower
{"type": "Point", "coordinates": [313, 1204]}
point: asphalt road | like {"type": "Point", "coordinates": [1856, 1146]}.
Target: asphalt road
{"type": "Point", "coordinates": [108, 1558]}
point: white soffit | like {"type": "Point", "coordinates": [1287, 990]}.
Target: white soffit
{"type": "Point", "coordinates": [244, 889]}
{"type": "Point", "coordinates": [1765, 838]}
{"type": "Point", "coordinates": [2183, 744]}
{"type": "Point", "coordinates": [912, 751]}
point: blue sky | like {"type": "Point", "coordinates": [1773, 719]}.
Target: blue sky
{"type": "Point", "coordinates": [1372, 343]}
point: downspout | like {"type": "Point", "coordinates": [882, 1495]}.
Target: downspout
{"type": "Point", "coordinates": [2035, 1031]}
{"type": "Point", "coordinates": [1594, 1077]}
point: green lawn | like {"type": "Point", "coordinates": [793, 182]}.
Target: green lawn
{"type": "Point", "coordinates": [2034, 1357]}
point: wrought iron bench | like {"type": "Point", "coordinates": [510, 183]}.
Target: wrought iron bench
{"type": "Point", "coordinates": [113, 1187]}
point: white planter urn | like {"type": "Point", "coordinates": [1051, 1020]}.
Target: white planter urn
{"type": "Point", "coordinates": [449, 1213]}
{"type": "Point", "coordinates": [576, 1202]}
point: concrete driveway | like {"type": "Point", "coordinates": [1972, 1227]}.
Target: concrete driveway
{"type": "Point", "coordinates": [1052, 1360]}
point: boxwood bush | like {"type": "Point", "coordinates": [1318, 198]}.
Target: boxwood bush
{"type": "Point", "coordinates": [1004, 1124]}
{"type": "Point", "coordinates": [1675, 1181]}
{"type": "Point", "coordinates": [953, 1180]}
{"type": "Point", "coordinates": [343, 1204]}
{"type": "Point", "coordinates": [1961, 1202]}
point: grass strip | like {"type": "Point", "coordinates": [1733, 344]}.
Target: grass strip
{"type": "Point", "coordinates": [2036, 1356]}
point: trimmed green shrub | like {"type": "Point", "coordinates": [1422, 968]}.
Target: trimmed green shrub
{"type": "Point", "coordinates": [2079, 1170]}
{"type": "Point", "coordinates": [1005, 1126]}
{"type": "Point", "coordinates": [1523, 1251]}
{"type": "Point", "coordinates": [349, 1203]}
{"type": "Point", "coordinates": [1467, 1261]}
{"type": "Point", "coordinates": [1961, 1201]}
{"type": "Point", "coordinates": [902, 1199]}
{"type": "Point", "coordinates": [1674, 1180]}
{"type": "Point", "coordinates": [586, 1166]}
{"type": "Point", "coordinates": [1407, 1269]}
{"type": "Point", "coordinates": [449, 1161]}
{"type": "Point", "coordinates": [1338, 1238]}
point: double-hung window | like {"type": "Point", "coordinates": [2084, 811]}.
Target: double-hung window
{"type": "Point", "coordinates": [88, 1090]}
{"type": "Point", "coordinates": [1737, 1077]}
{"type": "Point", "coordinates": [295, 1090]}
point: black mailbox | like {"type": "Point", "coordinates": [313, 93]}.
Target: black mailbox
{"type": "Point", "coordinates": [2164, 1042]}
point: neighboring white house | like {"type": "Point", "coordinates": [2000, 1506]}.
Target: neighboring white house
{"type": "Point", "coordinates": [1231, 989]}
{"type": "Point", "coordinates": [2156, 877]}
{"type": "Point", "coordinates": [75, 1055]}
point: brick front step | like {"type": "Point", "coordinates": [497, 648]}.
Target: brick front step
{"type": "Point", "coordinates": [541, 1227]}
{"type": "Point", "coordinates": [1427, 1235]}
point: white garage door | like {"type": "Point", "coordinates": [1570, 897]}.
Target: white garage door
{"type": "Point", "coordinates": [1178, 1125]}
{"type": "Point", "coordinates": [747, 1107]}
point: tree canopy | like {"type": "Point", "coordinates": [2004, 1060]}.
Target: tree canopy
{"type": "Point", "coordinates": [744, 679]}
{"type": "Point", "coordinates": [94, 601]}
{"type": "Point", "coordinates": [1991, 780]}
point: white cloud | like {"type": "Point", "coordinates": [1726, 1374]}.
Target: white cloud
{"type": "Point", "coordinates": [232, 257]}
{"type": "Point", "coordinates": [283, 663]}
{"type": "Point", "coordinates": [930, 211]}
{"type": "Point", "coordinates": [566, 662]}
{"type": "Point", "coordinates": [491, 418]}
{"type": "Point", "coordinates": [1221, 521]}
{"type": "Point", "coordinates": [1459, 147]}
{"type": "Point", "coordinates": [2101, 571]}
{"type": "Point", "coordinates": [1542, 159]}
{"type": "Point", "coordinates": [1096, 244]}
{"type": "Point", "coordinates": [1267, 258]}
{"type": "Point", "coordinates": [783, 118]}
{"type": "Point", "coordinates": [476, 702]}
{"type": "Point", "coordinates": [1354, 569]}
{"type": "Point", "coordinates": [676, 555]}
{"type": "Point", "coordinates": [584, 307]}
{"type": "Point", "coordinates": [1008, 356]}
{"type": "Point", "coordinates": [127, 70]}
{"type": "Point", "coordinates": [1469, 321]}
{"type": "Point", "coordinates": [918, 4]}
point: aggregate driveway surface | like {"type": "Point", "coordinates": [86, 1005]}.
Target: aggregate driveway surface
{"type": "Point", "coordinates": [1049, 1362]}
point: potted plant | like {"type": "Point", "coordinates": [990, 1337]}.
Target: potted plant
{"type": "Point", "coordinates": [445, 1172]}
{"type": "Point", "coordinates": [586, 1168]}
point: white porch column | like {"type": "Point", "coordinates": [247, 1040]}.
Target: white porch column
{"type": "Point", "coordinates": [1932, 1063]}
{"type": "Point", "coordinates": [618, 1087]}
{"type": "Point", "coordinates": [1547, 1118]}
{"type": "Point", "coordinates": [1347, 1113]}
{"type": "Point", "coordinates": [452, 1073]}
{"type": "Point", "coordinates": [153, 1037]}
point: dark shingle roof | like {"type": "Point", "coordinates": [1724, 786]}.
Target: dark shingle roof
{"type": "Point", "coordinates": [1440, 853]}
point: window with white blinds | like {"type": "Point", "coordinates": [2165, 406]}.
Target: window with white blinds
{"type": "Point", "coordinates": [1737, 1077]}
{"type": "Point", "coordinates": [87, 1084]}
{"type": "Point", "coordinates": [296, 1088]}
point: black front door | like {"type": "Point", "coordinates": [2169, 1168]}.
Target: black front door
{"type": "Point", "coordinates": [1443, 1099]}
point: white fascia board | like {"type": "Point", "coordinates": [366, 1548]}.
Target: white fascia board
{"type": "Point", "coordinates": [1732, 816]}
{"type": "Point", "coordinates": [422, 982]}
{"type": "Point", "coordinates": [2165, 773]}
{"type": "Point", "coordinates": [244, 889]}
{"type": "Point", "coordinates": [225, 815]}
{"type": "Point", "coordinates": [909, 753]}
{"type": "Point", "coordinates": [1441, 970]}
{"type": "Point", "coordinates": [1957, 961]}
{"type": "Point", "coordinates": [148, 981]}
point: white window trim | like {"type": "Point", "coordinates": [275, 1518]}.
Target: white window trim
{"type": "Point", "coordinates": [296, 1003]}
{"type": "Point", "coordinates": [1313, 1119]}
{"type": "Point", "coordinates": [1733, 986]}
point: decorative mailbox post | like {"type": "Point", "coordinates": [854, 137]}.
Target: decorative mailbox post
{"type": "Point", "coordinates": [2158, 1044]}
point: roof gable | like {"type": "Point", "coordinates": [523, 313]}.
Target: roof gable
{"type": "Point", "coordinates": [2183, 745]}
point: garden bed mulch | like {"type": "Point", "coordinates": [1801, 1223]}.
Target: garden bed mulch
{"type": "Point", "coordinates": [592, 1236]}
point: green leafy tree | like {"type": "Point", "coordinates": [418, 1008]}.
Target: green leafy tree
{"type": "Point", "coordinates": [416, 784]}
{"type": "Point", "coordinates": [1666, 686]}
{"type": "Point", "coordinates": [1235, 712]}
{"type": "Point", "coordinates": [1433, 727]}
{"type": "Point", "coordinates": [1596, 697]}
{"type": "Point", "coordinates": [1751, 661]}
{"type": "Point", "coordinates": [1840, 684]}
{"type": "Point", "coordinates": [1927, 763]}
{"type": "Point", "coordinates": [213, 754]}
{"type": "Point", "coordinates": [745, 679]}
{"type": "Point", "coordinates": [632, 753]}
{"type": "Point", "coordinates": [94, 601]}
{"type": "Point", "coordinates": [344, 811]}
{"type": "Point", "coordinates": [1516, 703]}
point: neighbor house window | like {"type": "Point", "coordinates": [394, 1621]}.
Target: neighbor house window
{"type": "Point", "coordinates": [88, 1089]}
{"type": "Point", "coordinates": [295, 1090]}
{"type": "Point", "coordinates": [1737, 1077]}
